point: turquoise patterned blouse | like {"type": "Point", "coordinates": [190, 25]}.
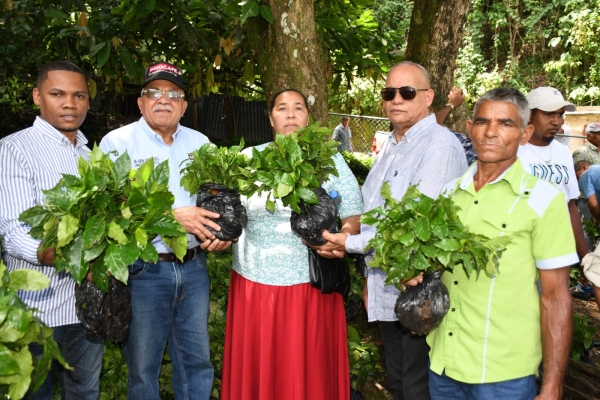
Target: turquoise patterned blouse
{"type": "Point", "coordinates": [268, 252]}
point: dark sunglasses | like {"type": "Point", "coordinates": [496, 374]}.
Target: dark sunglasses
{"type": "Point", "coordinates": [406, 92]}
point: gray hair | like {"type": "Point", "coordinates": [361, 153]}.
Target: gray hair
{"type": "Point", "coordinates": [507, 95]}
{"type": "Point", "coordinates": [419, 66]}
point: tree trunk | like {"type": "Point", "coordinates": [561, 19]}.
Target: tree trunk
{"type": "Point", "coordinates": [290, 54]}
{"type": "Point", "coordinates": [435, 36]}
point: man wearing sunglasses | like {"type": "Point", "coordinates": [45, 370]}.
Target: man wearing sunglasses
{"type": "Point", "coordinates": [169, 298]}
{"type": "Point", "coordinates": [419, 152]}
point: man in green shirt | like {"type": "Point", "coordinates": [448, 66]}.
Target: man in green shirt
{"type": "Point", "coordinates": [491, 342]}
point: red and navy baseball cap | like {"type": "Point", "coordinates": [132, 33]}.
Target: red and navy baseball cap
{"type": "Point", "coordinates": [163, 70]}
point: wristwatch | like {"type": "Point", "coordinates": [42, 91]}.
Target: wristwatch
{"type": "Point", "coordinates": [451, 107]}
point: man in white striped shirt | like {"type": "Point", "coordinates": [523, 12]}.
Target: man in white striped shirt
{"type": "Point", "coordinates": [33, 160]}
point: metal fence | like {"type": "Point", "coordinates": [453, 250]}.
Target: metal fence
{"type": "Point", "coordinates": [363, 129]}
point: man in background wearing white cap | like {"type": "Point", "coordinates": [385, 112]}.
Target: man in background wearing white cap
{"type": "Point", "coordinates": [549, 160]}
{"type": "Point", "coordinates": [589, 151]}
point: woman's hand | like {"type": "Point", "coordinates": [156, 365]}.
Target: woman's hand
{"type": "Point", "coordinates": [335, 246]}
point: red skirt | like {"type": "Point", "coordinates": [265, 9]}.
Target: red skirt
{"type": "Point", "coordinates": [284, 342]}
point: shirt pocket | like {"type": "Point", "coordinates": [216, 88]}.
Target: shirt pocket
{"type": "Point", "coordinates": [507, 223]}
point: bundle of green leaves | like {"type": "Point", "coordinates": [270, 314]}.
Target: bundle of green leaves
{"type": "Point", "coordinates": [105, 219]}
{"type": "Point", "coordinates": [225, 166]}
{"type": "Point", "coordinates": [18, 328]}
{"type": "Point", "coordinates": [420, 234]}
{"type": "Point", "coordinates": [291, 167]}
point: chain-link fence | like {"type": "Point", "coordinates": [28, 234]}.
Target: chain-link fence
{"type": "Point", "coordinates": [363, 129]}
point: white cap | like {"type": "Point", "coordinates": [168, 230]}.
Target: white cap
{"type": "Point", "coordinates": [593, 127]}
{"type": "Point", "coordinates": [548, 99]}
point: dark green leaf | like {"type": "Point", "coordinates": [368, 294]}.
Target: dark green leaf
{"type": "Point", "coordinates": [103, 54]}
{"type": "Point", "coordinates": [130, 252]}
{"type": "Point", "coordinates": [249, 9]}
{"type": "Point", "coordinates": [94, 252]}
{"type": "Point", "coordinates": [422, 229]}
{"type": "Point", "coordinates": [265, 12]}
{"type": "Point", "coordinates": [149, 254]}
{"type": "Point", "coordinates": [166, 227]}
{"type": "Point", "coordinates": [115, 264]}
{"type": "Point", "coordinates": [35, 216]}
{"type": "Point", "coordinates": [121, 168]}
{"type": "Point", "coordinates": [99, 275]}
{"type": "Point", "coordinates": [94, 230]}
{"type": "Point", "coordinates": [74, 258]}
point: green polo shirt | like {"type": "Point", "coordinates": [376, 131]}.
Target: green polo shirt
{"type": "Point", "coordinates": [492, 331]}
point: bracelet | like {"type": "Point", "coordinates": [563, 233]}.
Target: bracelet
{"type": "Point", "coordinates": [451, 107]}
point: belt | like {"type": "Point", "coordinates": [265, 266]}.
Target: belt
{"type": "Point", "coordinates": [170, 257]}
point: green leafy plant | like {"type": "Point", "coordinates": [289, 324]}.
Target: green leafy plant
{"type": "Point", "coordinates": [591, 229]}
{"type": "Point", "coordinates": [583, 335]}
{"type": "Point", "coordinates": [420, 234]}
{"type": "Point", "coordinates": [106, 218]}
{"type": "Point", "coordinates": [225, 166]}
{"type": "Point", "coordinates": [291, 167]}
{"type": "Point", "coordinates": [364, 357]}
{"type": "Point", "coordinates": [19, 371]}
{"type": "Point", "coordinates": [359, 164]}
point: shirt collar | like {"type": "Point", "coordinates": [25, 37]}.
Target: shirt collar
{"type": "Point", "coordinates": [592, 147]}
{"type": "Point", "coordinates": [416, 129]}
{"type": "Point", "coordinates": [513, 176]}
{"type": "Point", "coordinates": [52, 133]}
{"type": "Point", "coordinates": [155, 136]}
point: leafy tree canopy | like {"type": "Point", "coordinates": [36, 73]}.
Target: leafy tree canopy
{"type": "Point", "coordinates": [116, 39]}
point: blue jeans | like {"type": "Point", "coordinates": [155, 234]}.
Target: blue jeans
{"type": "Point", "coordinates": [83, 354]}
{"type": "Point", "coordinates": [445, 388]}
{"type": "Point", "coordinates": [169, 304]}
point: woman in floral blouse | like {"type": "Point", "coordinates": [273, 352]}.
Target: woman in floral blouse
{"type": "Point", "coordinates": [284, 338]}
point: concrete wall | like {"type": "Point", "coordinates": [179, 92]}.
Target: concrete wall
{"type": "Point", "coordinates": [577, 120]}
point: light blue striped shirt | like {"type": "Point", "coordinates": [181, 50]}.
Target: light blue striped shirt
{"type": "Point", "coordinates": [428, 155]}
{"type": "Point", "coordinates": [142, 143]}
{"type": "Point", "coordinates": [33, 160]}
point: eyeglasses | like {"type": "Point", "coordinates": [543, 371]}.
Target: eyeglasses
{"type": "Point", "coordinates": [155, 94]}
{"type": "Point", "coordinates": [406, 92]}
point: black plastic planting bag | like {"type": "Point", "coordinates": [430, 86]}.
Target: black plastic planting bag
{"type": "Point", "coordinates": [226, 202]}
{"type": "Point", "coordinates": [104, 315]}
{"type": "Point", "coordinates": [421, 308]}
{"type": "Point", "coordinates": [313, 218]}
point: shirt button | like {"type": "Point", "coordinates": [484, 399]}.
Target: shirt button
{"type": "Point", "coordinates": [504, 225]}
{"type": "Point", "coordinates": [449, 333]}
{"type": "Point", "coordinates": [476, 202]}
{"type": "Point", "coordinates": [453, 309]}
{"type": "Point", "coordinates": [456, 282]}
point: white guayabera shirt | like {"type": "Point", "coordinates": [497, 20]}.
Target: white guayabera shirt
{"type": "Point", "coordinates": [428, 155]}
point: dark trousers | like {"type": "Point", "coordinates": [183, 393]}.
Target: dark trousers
{"type": "Point", "coordinates": [406, 362]}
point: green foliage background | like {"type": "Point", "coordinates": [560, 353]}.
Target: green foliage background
{"type": "Point", "coordinates": [531, 43]}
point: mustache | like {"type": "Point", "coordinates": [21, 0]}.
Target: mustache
{"type": "Point", "coordinates": [167, 107]}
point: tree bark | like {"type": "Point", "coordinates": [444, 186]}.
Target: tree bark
{"type": "Point", "coordinates": [435, 36]}
{"type": "Point", "coordinates": [290, 54]}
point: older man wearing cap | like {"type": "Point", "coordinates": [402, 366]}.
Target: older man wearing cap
{"type": "Point", "coordinates": [169, 298]}
{"type": "Point", "coordinates": [548, 159]}
{"type": "Point", "coordinates": [589, 151]}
